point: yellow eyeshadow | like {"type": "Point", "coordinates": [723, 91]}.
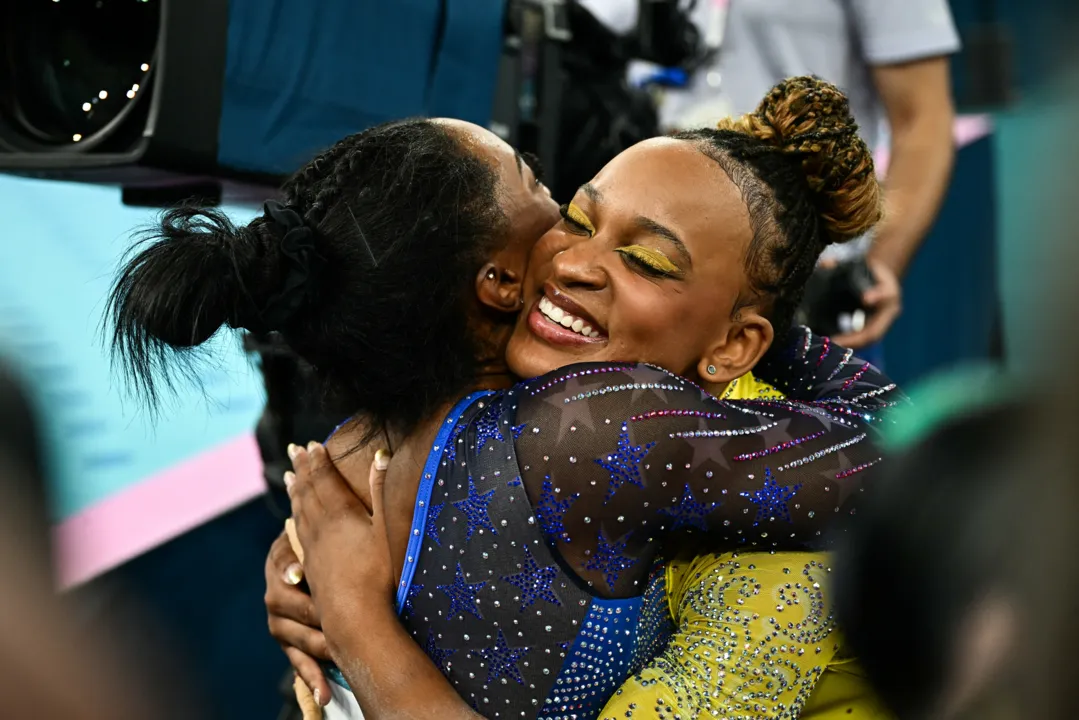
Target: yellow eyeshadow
{"type": "Point", "coordinates": [651, 257]}
{"type": "Point", "coordinates": [577, 215]}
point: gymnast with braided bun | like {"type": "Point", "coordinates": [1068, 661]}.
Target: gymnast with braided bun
{"type": "Point", "coordinates": [514, 564]}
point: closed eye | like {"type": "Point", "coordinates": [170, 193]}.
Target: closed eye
{"type": "Point", "coordinates": [576, 220]}
{"type": "Point", "coordinates": [649, 261]}
{"type": "Point", "coordinates": [534, 162]}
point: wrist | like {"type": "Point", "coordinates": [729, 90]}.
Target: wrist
{"type": "Point", "coordinates": [882, 258]}
{"type": "Point", "coordinates": [355, 627]}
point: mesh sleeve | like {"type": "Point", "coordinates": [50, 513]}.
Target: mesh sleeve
{"type": "Point", "coordinates": [616, 458]}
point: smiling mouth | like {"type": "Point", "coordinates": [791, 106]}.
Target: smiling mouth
{"type": "Point", "coordinates": [559, 316]}
{"type": "Point", "coordinates": [558, 320]}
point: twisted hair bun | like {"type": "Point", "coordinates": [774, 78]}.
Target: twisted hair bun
{"type": "Point", "coordinates": [811, 118]}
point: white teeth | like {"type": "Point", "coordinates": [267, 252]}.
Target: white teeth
{"type": "Point", "coordinates": [563, 318]}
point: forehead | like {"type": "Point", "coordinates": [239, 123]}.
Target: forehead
{"type": "Point", "coordinates": [673, 183]}
{"type": "Point", "coordinates": [482, 142]}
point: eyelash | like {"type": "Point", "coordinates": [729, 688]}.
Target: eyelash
{"type": "Point", "coordinates": [643, 265]}
{"type": "Point", "coordinates": [534, 162]}
{"type": "Point", "coordinates": [638, 262]}
{"type": "Point", "coordinates": [575, 226]}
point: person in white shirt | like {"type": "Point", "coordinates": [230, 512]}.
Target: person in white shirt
{"type": "Point", "coordinates": [891, 59]}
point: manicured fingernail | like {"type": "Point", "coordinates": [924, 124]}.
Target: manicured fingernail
{"type": "Point", "coordinates": [294, 574]}
{"type": "Point", "coordinates": [311, 446]}
{"type": "Point", "coordinates": [293, 451]}
{"type": "Point", "coordinates": [290, 477]}
{"type": "Point", "coordinates": [382, 460]}
{"type": "Point", "coordinates": [317, 695]}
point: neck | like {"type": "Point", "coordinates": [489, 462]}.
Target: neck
{"type": "Point", "coordinates": [495, 376]}
{"type": "Point", "coordinates": [715, 389]}
{"type": "Point", "coordinates": [492, 373]}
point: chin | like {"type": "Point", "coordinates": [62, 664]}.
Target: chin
{"type": "Point", "coordinates": [527, 357]}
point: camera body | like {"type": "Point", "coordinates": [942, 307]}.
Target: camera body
{"type": "Point", "coordinates": [832, 303]}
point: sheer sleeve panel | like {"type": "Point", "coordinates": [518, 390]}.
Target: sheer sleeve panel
{"type": "Point", "coordinates": [616, 458]}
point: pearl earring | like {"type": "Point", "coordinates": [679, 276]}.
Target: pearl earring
{"type": "Point", "coordinates": [490, 274]}
{"type": "Point", "coordinates": [711, 369]}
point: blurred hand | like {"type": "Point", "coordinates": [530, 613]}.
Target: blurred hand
{"type": "Point", "coordinates": [346, 549]}
{"type": "Point", "coordinates": [293, 618]}
{"type": "Point", "coordinates": [885, 302]}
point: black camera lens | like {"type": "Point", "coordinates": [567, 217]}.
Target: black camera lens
{"type": "Point", "coordinates": [75, 68]}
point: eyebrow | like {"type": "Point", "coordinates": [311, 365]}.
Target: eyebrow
{"type": "Point", "coordinates": [651, 226]}
{"type": "Point", "coordinates": [520, 162]}
{"type": "Point", "coordinates": [593, 194]}
{"type": "Point", "coordinates": [647, 224]}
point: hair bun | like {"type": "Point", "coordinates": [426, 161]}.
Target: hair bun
{"type": "Point", "coordinates": [811, 118]}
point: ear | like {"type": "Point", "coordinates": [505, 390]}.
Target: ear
{"type": "Point", "coordinates": [731, 356]}
{"type": "Point", "coordinates": [499, 288]}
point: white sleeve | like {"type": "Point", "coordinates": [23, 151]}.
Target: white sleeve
{"type": "Point", "coordinates": [619, 16]}
{"type": "Point", "coordinates": [896, 31]}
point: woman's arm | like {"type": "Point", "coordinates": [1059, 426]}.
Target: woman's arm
{"type": "Point", "coordinates": [616, 457]}
{"type": "Point", "coordinates": [353, 593]}
{"type": "Point", "coordinates": [754, 633]}
{"type": "Point", "coordinates": [811, 368]}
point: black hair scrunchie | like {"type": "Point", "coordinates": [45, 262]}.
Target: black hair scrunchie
{"type": "Point", "coordinates": [303, 263]}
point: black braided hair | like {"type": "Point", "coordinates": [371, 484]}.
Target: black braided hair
{"type": "Point", "coordinates": [396, 207]}
{"type": "Point", "coordinates": [807, 180]}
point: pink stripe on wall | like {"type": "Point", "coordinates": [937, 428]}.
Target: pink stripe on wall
{"type": "Point", "coordinates": [158, 509]}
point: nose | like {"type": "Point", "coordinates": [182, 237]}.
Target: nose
{"type": "Point", "coordinates": [580, 264]}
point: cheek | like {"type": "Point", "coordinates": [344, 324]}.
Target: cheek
{"type": "Point", "coordinates": [541, 257]}
{"type": "Point", "coordinates": [668, 329]}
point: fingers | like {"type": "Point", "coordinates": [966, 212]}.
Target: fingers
{"type": "Point", "coordinates": [291, 634]}
{"type": "Point", "coordinates": [879, 323]}
{"type": "Point", "coordinates": [875, 295]}
{"type": "Point", "coordinates": [300, 484]}
{"type": "Point", "coordinates": [329, 484]}
{"type": "Point", "coordinates": [377, 480]}
{"type": "Point", "coordinates": [294, 541]}
{"type": "Point", "coordinates": [282, 563]}
{"type": "Point", "coordinates": [284, 601]}
{"type": "Point", "coordinates": [855, 341]}
{"type": "Point", "coordinates": [311, 673]}
{"type": "Point", "coordinates": [875, 329]}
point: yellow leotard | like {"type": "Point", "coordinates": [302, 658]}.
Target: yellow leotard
{"type": "Point", "coordinates": [754, 639]}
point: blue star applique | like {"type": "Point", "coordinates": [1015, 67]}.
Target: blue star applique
{"type": "Point", "coordinates": [550, 511]}
{"type": "Point", "coordinates": [690, 512]}
{"type": "Point", "coordinates": [452, 442]}
{"type": "Point", "coordinates": [534, 581]}
{"type": "Point", "coordinates": [609, 559]}
{"type": "Point", "coordinates": [502, 660]}
{"type": "Point", "coordinates": [438, 655]}
{"type": "Point", "coordinates": [475, 509]}
{"type": "Point", "coordinates": [487, 426]}
{"type": "Point", "coordinates": [431, 526]}
{"type": "Point", "coordinates": [462, 595]}
{"type": "Point", "coordinates": [771, 500]}
{"type": "Point", "coordinates": [413, 593]}
{"type": "Point", "coordinates": [623, 464]}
